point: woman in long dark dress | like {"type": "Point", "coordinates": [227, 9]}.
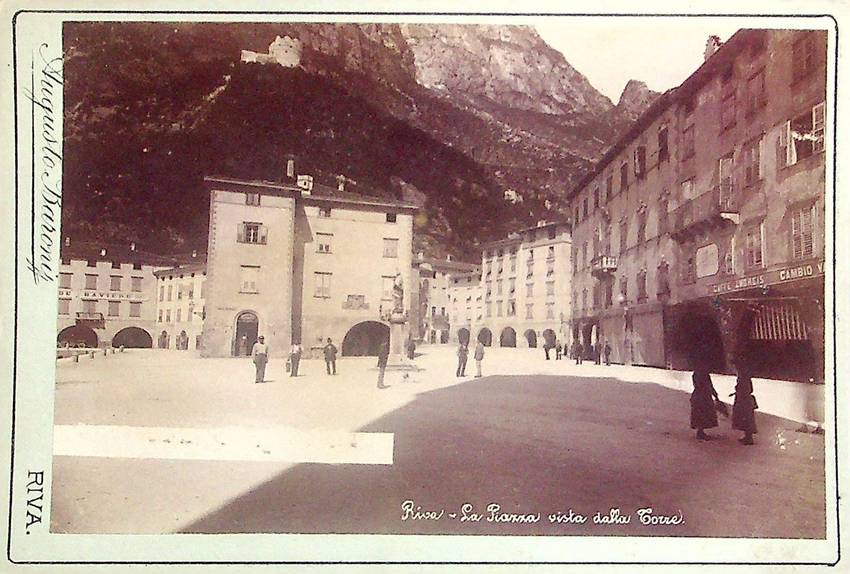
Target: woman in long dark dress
{"type": "Point", "coordinates": [743, 409]}
{"type": "Point", "coordinates": [703, 413]}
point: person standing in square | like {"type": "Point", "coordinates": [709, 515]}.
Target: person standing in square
{"type": "Point", "coordinates": [478, 356]}
{"type": "Point", "coordinates": [294, 359]}
{"type": "Point", "coordinates": [260, 353]}
{"type": "Point", "coordinates": [383, 356]}
{"type": "Point", "coordinates": [330, 357]}
{"type": "Point", "coordinates": [462, 354]}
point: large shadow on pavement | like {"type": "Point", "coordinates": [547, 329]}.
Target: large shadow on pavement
{"type": "Point", "coordinates": [548, 444]}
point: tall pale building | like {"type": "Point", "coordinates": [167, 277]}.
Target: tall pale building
{"type": "Point", "coordinates": [302, 262]}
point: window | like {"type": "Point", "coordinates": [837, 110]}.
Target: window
{"type": "Point", "coordinates": [550, 253]}
{"type": "Point", "coordinates": [159, 318]}
{"type": "Point", "coordinates": [609, 293]}
{"type": "Point", "coordinates": [641, 231]}
{"type": "Point", "coordinates": [499, 287]}
{"type": "Point", "coordinates": [687, 189]}
{"type": "Point", "coordinates": [624, 176]}
{"type": "Point", "coordinates": [512, 285]}
{"type": "Point", "coordinates": [550, 267]}
{"type": "Point", "coordinates": [489, 309]}
{"type": "Point", "coordinates": [624, 234]}
{"type": "Point", "coordinates": [324, 212]}
{"type": "Point", "coordinates": [511, 311]}
{"type": "Point", "coordinates": [729, 258]}
{"type": "Point", "coordinates": [323, 285]}
{"type": "Point", "coordinates": [168, 315]}
{"type": "Point", "coordinates": [179, 315]}
{"type": "Point", "coordinates": [641, 285]}
{"type": "Point", "coordinates": [802, 232]}
{"type": "Point", "coordinates": [390, 247]}
{"type": "Point", "coordinates": [756, 92]}
{"type": "Point", "coordinates": [529, 289]}
{"type": "Point", "coordinates": [89, 306]}
{"type": "Point", "coordinates": [584, 210]}
{"type": "Point", "coordinates": [513, 262]}
{"type": "Point", "coordinates": [595, 206]}
{"type": "Point", "coordinates": [170, 287]}
{"type": "Point", "coordinates": [252, 199]}
{"type": "Point", "coordinates": [624, 289]}
{"type": "Point", "coordinates": [64, 306]}
{"type": "Point", "coordinates": [688, 149]}
{"type": "Point", "coordinates": [65, 280]}
{"type": "Point", "coordinates": [753, 247]}
{"type": "Point", "coordinates": [576, 219]}
{"type": "Point", "coordinates": [498, 308]}
{"type": "Point", "coordinates": [689, 267]}
{"type": "Point", "coordinates": [584, 255]}
{"type": "Point", "coordinates": [584, 299]}
{"type": "Point", "coordinates": [663, 149]}
{"type": "Point", "coordinates": [324, 242]}
{"type": "Point", "coordinates": [727, 111]}
{"type": "Point", "coordinates": [550, 310]}
{"type": "Point", "coordinates": [179, 291]}
{"type": "Point", "coordinates": [609, 187]}
{"type": "Point", "coordinates": [550, 287]}
{"type": "Point", "coordinates": [640, 162]}
{"type": "Point", "coordinates": [724, 176]}
{"type": "Point", "coordinates": [136, 284]}
{"type": "Point", "coordinates": [752, 161]}
{"type": "Point", "coordinates": [250, 275]}
{"type": "Point", "coordinates": [251, 232]}
{"type": "Point", "coordinates": [391, 218]}
{"type": "Point", "coordinates": [803, 57]}
{"type": "Point", "coordinates": [387, 282]}
{"type": "Point", "coordinates": [162, 292]}
{"type": "Point", "coordinates": [113, 309]}
{"type": "Point", "coordinates": [91, 281]}
{"type": "Point", "coordinates": [802, 137]}
{"type": "Point", "coordinates": [529, 310]}
{"type": "Point", "coordinates": [135, 309]}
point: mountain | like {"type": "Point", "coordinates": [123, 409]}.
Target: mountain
{"type": "Point", "coordinates": [450, 116]}
{"type": "Point", "coordinates": [635, 99]}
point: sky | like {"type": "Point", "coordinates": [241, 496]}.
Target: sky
{"type": "Point", "coordinates": [660, 52]}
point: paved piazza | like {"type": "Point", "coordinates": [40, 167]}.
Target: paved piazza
{"type": "Point", "coordinates": [153, 441]}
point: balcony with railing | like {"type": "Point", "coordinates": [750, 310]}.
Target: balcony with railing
{"type": "Point", "coordinates": [713, 209]}
{"type": "Point", "coordinates": [602, 265]}
{"type": "Point", "coordinates": [90, 319]}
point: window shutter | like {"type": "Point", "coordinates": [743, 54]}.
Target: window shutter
{"type": "Point", "coordinates": [240, 233]}
{"type": "Point", "coordinates": [758, 167]}
{"type": "Point", "coordinates": [263, 234]}
{"type": "Point", "coordinates": [818, 124]}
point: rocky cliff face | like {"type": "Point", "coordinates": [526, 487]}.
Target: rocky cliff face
{"type": "Point", "coordinates": [459, 113]}
{"type": "Point", "coordinates": [635, 99]}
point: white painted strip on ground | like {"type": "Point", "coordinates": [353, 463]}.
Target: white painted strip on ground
{"type": "Point", "coordinates": [276, 444]}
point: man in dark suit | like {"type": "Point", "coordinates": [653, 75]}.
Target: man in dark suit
{"type": "Point", "coordinates": [330, 357]}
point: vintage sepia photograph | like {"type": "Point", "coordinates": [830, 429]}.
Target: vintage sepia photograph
{"type": "Point", "coordinates": [549, 277]}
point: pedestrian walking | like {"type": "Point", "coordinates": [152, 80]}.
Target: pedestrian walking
{"type": "Point", "coordinates": [260, 353]}
{"type": "Point", "coordinates": [330, 351]}
{"type": "Point", "coordinates": [744, 407]}
{"type": "Point", "coordinates": [383, 355]}
{"type": "Point", "coordinates": [597, 353]}
{"type": "Point", "coordinates": [579, 351]}
{"type": "Point", "coordinates": [462, 354]}
{"type": "Point", "coordinates": [478, 356]}
{"type": "Point", "coordinates": [558, 350]}
{"type": "Point", "coordinates": [546, 346]}
{"type": "Point", "coordinates": [703, 412]}
{"type": "Point", "coordinates": [294, 359]}
{"type": "Point", "coordinates": [606, 350]}
{"type": "Point", "coordinates": [411, 348]}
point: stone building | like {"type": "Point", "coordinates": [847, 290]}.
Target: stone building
{"type": "Point", "coordinates": [466, 305]}
{"type": "Point", "coordinates": [700, 234]}
{"type": "Point", "coordinates": [435, 297]}
{"type": "Point", "coordinates": [180, 306]}
{"type": "Point", "coordinates": [298, 261]}
{"type": "Point", "coordinates": [525, 281]}
{"type": "Point", "coordinates": [107, 295]}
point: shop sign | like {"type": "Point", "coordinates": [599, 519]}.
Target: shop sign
{"type": "Point", "coordinates": [803, 270]}
{"type": "Point", "coordinates": [110, 295]}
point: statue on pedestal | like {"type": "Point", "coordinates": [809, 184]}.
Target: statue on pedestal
{"type": "Point", "coordinates": [398, 294]}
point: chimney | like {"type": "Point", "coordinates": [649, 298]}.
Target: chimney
{"type": "Point", "coordinates": [340, 182]}
{"type": "Point", "coordinates": [290, 168]}
{"type": "Point", "coordinates": [305, 182]}
{"type": "Point", "coordinates": [132, 246]}
{"type": "Point", "coordinates": [712, 45]}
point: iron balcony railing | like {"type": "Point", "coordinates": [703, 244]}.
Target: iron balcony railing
{"type": "Point", "coordinates": [602, 264]}
{"type": "Point", "coordinates": [706, 209]}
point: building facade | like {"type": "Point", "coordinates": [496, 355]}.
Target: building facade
{"type": "Point", "coordinates": [437, 301]}
{"type": "Point", "coordinates": [699, 237]}
{"type": "Point", "coordinates": [303, 262]}
{"type": "Point", "coordinates": [180, 295]}
{"type": "Point", "coordinates": [107, 295]}
{"type": "Point", "coordinates": [466, 305]}
{"type": "Point", "coordinates": [525, 282]}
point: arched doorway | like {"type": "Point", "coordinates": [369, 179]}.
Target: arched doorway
{"type": "Point", "coordinates": [364, 339]}
{"type": "Point", "coordinates": [183, 341]}
{"type": "Point", "coordinates": [549, 338]}
{"type": "Point", "coordinates": [245, 334]}
{"type": "Point", "coordinates": [531, 338]}
{"type": "Point", "coordinates": [699, 340]}
{"type": "Point", "coordinates": [132, 338]}
{"type": "Point", "coordinates": [463, 336]}
{"type": "Point", "coordinates": [507, 337]}
{"type": "Point", "coordinates": [162, 341]}
{"type": "Point", "coordinates": [485, 336]}
{"type": "Point", "coordinates": [77, 336]}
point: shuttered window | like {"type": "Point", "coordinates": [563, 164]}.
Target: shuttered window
{"type": "Point", "coordinates": [802, 233]}
{"type": "Point", "coordinates": [251, 232]}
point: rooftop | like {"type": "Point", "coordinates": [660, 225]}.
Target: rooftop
{"type": "Point", "coordinates": [119, 252]}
